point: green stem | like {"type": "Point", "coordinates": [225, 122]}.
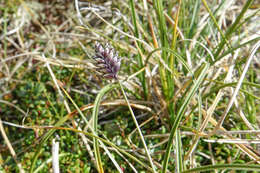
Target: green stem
{"type": "Point", "coordinates": [138, 128]}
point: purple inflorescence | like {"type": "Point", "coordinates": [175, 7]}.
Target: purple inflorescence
{"type": "Point", "coordinates": [107, 60]}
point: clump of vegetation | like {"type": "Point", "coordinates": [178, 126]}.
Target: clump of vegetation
{"type": "Point", "coordinates": [129, 86]}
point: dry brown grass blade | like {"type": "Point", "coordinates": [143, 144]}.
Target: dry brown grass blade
{"type": "Point", "coordinates": [9, 145]}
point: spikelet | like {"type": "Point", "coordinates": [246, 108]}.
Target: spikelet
{"type": "Point", "coordinates": [107, 60]}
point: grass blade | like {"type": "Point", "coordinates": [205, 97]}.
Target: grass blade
{"type": "Point", "coordinates": [95, 123]}
{"type": "Point", "coordinates": [225, 166]}
{"type": "Point", "coordinates": [179, 162]}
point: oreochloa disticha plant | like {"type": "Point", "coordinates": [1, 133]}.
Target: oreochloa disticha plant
{"type": "Point", "coordinates": [166, 86]}
{"type": "Point", "coordinates": [179, 61]}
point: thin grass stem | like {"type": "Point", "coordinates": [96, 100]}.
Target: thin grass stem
{"type": "Point", "coordinates": [138, 128]}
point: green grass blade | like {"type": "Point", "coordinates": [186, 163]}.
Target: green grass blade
{"type": "Point", "coordinates": [180, 114]}
{"type": "Point", "coordinates": [225, 166]}
{"type": "Point", "coordinates": [179, 162]}
{"type": "Point", "coordinates": [195, 16]}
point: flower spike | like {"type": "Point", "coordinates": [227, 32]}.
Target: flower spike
{"type": "Point", "coordinates": [107, 60]}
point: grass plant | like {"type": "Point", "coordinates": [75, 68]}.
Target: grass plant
{"type": "Point", "coordinates": [181, 95]}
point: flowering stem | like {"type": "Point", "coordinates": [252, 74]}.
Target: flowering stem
{"type": "Point", "coordinates": [138, 128]}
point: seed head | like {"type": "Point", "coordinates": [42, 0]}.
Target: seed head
{"type": "Point", "coordinates": [107, 60]}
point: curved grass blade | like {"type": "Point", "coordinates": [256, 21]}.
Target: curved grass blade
{"type": "Point", "coordinates": [95, 123]}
